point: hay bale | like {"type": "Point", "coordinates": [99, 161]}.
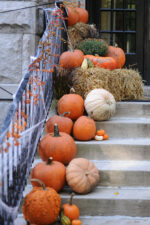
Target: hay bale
{"type": "Point", "coordinates": [79, 32]}
{"type": "Point", "coordinates": [123, 84]}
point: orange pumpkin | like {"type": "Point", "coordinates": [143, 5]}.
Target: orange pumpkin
{"type": "Point", "coordinates": [42, 205]}
{"type": "Point", "coordinates": [82, 15]}
{"type": "Point", "coordinates": [60, 146]}
{"type": "Point", "coordinates": [73, 16]}
{"type": "Point", "coordinates": [65, 124]}
{"type": "Point", "coordinates": [118, 54]}
{"type": "Point", "coordinates": [84, 128]}
{"type": "Point", "coordinates": [76, 222]}
{"type": "Point", "coordinates": [71, 59]}
{"type": "Point", "coordinates": [51, 173]}
{"type": "Point", "coordinates": [103, 62]}
{"type": "Point", "coordinates": [72, 103]}
{"type": "Point", "coordinates": [71, 210]}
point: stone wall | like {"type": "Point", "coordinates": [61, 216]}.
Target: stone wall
{"type": "Point", "coordinates": [20, 32]}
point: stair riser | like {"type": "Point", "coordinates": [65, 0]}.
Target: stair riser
{"type": "Point", "coordinates": [125, 130]}
{"type": "Point", "coordinates": [111, 207]}
{"type": "Point", "coordinates": [124, 178]}
{"type": "Point", "coordinates": [132, 110]}
{"type": "Point", "coordinates": [113, 152]}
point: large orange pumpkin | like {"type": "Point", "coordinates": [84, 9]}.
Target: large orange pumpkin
{"type": "Point", "coordinates": [84, 128]}
{"type": "Point", "coordinates": [42, 206]}
{"type": "Point", "coordinates": [58, 145]}
{"type": "Point", "coordinates": [65, 124]}
{"type": "Point", "coordinates": [71, 59]}
{"type": "Point", "coordinates": [72, 103]}
{"type": "Point", "coordinates": [102, 62]}
{"type": "Point", "coordinates": [118, 54]}
{"type": "Point", "coordinates": [51, 173]}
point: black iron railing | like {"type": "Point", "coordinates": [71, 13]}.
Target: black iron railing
{"type": "Point", "coordinates": [24, 123]}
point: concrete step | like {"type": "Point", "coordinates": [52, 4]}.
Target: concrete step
{"type": "Point", "coordinates": [101, 220]}
{"type": "Point", "coordinates": [132, 109]}
{"type": "Point", "coordinates": [115, 149]}
{"type": "Point", "coordinates": [110, 201]}
{"type": "Point", "coordinates": [126, 127]}
{"type": "Point", "coordinates": [120, 173]}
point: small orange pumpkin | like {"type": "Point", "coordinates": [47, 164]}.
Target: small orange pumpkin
{"type": "Point", "coordinates": [71, 59]}
{"type": "Point", "coordinates": [118, 54]}
{"type": "Point", "coordinates": [103, 62]}
{"type": "Point", "coordinates": [76, 222]}
{"type": "Point", "coordinates": [73, 16]}
{"type": "Point", "coordinates": [42, 205]}
{"type": "Point", "coordinates": [82, 15]}
{"type": "Point", "coordinates": [84, 128]}
{"type": "Point", "coordinates": [71, 210]}
{"type": "Point", "coordinates": [65, 124]}
{"type": "Point", "coordinates": [58, 145]}
{"type": "Point", "coordinates": [72, 103]}
{"type": "Point", "coordinates": [51, 173]}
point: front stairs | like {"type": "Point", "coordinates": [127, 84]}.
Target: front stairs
{"type": "Point", "coordinates": [123, 193]}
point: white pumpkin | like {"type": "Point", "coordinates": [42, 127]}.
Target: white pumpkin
{"type": "Point", "coordinates": [100, 104]}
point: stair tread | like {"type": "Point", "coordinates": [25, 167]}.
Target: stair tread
{"type": "Point", "coordinates": [136, 120]}
{"type": "Point", "coordinates": [114, 141]}
{"type": "Point", "coordinates": [102, 192]}
{"type": "Point", "coordinates": [101, 220]}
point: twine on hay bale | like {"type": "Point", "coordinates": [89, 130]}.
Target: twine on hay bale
{"type": "Point", "coordinates": [124, 84]}
{"type": "Point", "coordinates": [79, 32]}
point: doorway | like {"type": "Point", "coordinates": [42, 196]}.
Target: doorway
{"type": "Point", "coordinates": [125, 23]}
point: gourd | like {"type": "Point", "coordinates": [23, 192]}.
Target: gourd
{"type": "Point", "coordinates": [71, 59]}
{"type": "Point", "coordinates": [64, 219]}
{"type": "Point", "coordinates": [76, 222]}
{"type": "Point", "coordinates": [100, 104]}
{"type": "Point", "coordinates": [51, 173]}
{"type": "Point", "coordinates": [103, 62]}
{"type": "Point", "coordinates": [58, 145]}
{"type": "Point", "coordinates": [42, 205]}
{"type": "Point", "coordinates": [65, 124]}
{"type": "Point", "coordinates": [118, 54]}
{"type": "Point", "coordinates": [84, 128]}
{"type": "Point", "coordinates": [71, 210]}
{"type": "Point", "coordinates": [82, 15]}
{"type": "Point", "coordinates": [82, 175]}
{"type": "Point", "coordinates": [72, 103]}
{"type": "Point", "coordinates": [93, 46]}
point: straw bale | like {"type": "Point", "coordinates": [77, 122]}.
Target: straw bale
{"type": "Point", "coordinates": [124, 84]}
{"type": "Point", "coordinates": [79, 32]}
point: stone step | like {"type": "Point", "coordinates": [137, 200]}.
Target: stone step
{"type": "Point", "coordinates": [115, 149]}
{"type": "Point", "coordinates": [101, 220]}
{"type": "Point", "coordinates": [120, 173]}
{"type": "Point", "coordinates": [126, 127]}
{"type": "Point", "coordinates": [110, 201]}
{"type": "Point", "coordinates": [132, 109]}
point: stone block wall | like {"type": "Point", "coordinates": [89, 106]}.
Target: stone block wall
{"type": "Point", "coordinates": [20, 32]}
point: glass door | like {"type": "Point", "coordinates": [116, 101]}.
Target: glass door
{"type": "Point", "coordinates": [118, 24]}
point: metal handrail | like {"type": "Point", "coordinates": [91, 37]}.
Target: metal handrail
{"type": "Point", "coordinates": [25, 120]}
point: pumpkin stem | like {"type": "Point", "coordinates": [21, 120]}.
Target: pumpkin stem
{"type": "Point", "coordinates": [71, 198]}
{"type": "Point", "coordinates": [40, 182]}
{"type": "Point", "coordinates": [63, 114]}
{"type": "Point", "coordinates": [72, 91]}
{"type": "Point", "coordinates": [49, 161]}
{"type": "Point", "coordinates": [56, 130]}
